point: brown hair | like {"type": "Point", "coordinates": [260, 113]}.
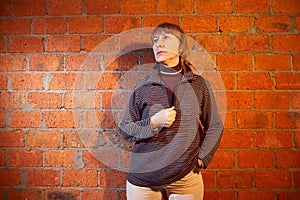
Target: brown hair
{"type": "Point", "coordinates": [177, 32]}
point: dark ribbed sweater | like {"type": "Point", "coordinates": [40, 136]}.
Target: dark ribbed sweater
{"type": "Point", "coordinates": [166, 155]}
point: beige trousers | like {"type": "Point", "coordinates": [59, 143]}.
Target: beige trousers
{"type": "Point", "coordinates": [189, 187]}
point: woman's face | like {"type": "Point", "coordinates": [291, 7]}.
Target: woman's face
{"type": "Point", "coordinates": [166, 49]}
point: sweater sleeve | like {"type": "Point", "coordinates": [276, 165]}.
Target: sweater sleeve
{"type": "Point", "coordinates": [213, 126]}
{"type": "Point", "coordinates": [135, 127]}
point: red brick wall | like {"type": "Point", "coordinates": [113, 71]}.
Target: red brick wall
{"type": "Point", "coordinates": [43, 45]}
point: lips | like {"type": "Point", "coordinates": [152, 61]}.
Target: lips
{"type": "Point", "coordinates": [160, 52]}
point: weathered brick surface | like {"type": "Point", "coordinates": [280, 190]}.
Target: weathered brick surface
{"type": "Point", "coordinates": [66, 74]}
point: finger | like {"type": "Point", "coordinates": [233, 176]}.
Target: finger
{"type": "Point", "coordinates": [170, 109]}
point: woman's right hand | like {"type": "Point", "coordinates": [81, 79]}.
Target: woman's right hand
{"type": "Point", "coordinates": [163, 118]}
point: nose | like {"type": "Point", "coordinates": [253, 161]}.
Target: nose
{"type": "Point", "coordinates": [159, 42]}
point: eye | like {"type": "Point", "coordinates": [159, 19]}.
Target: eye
{"type": "Point", "coordinates": [155, 39]}
{"type": "Point", "coordinates": [166, 37]}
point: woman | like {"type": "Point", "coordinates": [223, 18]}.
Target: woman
{"type": "Point", "coordinates": [173, 120]}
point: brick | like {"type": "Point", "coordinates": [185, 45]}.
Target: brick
{"type": "Point", "coordinates": [233, 24]}
{"type": "Point", "coordinates": [100, 44]}
{"type": "Point", "coordinates": [27, 81]}
{"type": "Point", "coordinates": [287, 120]}
{"type": "Point", "coordinates": [215, 43]}
{"type": "Point", "coordinates": [44, 177]}
{"type": "Point", "coordinates": [297, 139]}
{"type": "Point", "coordinates": [4, 8]}
{"type": "Point", "coordinates": [239, 100]}
{"type": "Point", "coordinates": [274, 139]}
{"type": "Point", "coordinates": [254, 81]}
{"type": "Point", "coordinates": [67, 7]}
{"type": "Point", "coordinates": [122, 24]}
{"type": "Point", "coordinates": [88, 178]}
{"type": "Point", "coordinates": [61, 119]}
{"type": "Point", "coordinates": [3, 44]}
{"type": "Point", "coordinates": [32, 194]}
{"type": "Point", "coordinates": [253, 43]}
{"type": "Point", "coordinates": [2, 119]}
{"type": "Point", "coordinates": [99, 120]}
{"type": "Point", "coordinates": [138, 7]}
{"type": "Point", "coordinates": [85, 62]}
{"type": "Point", "coordinates": [228, 80]}
{"type": "Point", "coordinates": [105, 81]}
{"type": "Point", "coordinates": [223, 160]}
{"type": "Point", "coordinates": [29, 8]}
{"type": "Point", "coordinates": [82, 100]}
{"type": "Point", "coordinates": [106, 158]}
{"type": "Point", "coordinates": [12, 100]}
{"type": "Point", "coordinates": [63, 44]}
{"type": "Point", "coordinates": [273, 179]}
{"type": "Point", "coordinates": [267, 24]}
{"type": "Point", "coordinates": [74, 62]}
{"type": "Point", "coordinates": [135, 42]}
{"type": "Point", "coordinates": [214, 7]}
{"type": "Point", "coordinates": [45, 100]}
{"type": "Point", "coordinates": [100, 194]}
{"type": "Point", "coordinates": [3, 81]}
{"type": "Point", "coordinates": [176, 7]}
{"type": "Point", "coordinates": [272, 62]}
{"type": "Point", "coordinates": [234, 62]}
{"type": "Point", "coordinates": [2, 158]}
{"type": "Point", "coordinates": [297, 179]}
{"type": "Point", "coordinates": [104, 7]}
{"type": "Point", "coordinates": [229, 120]}
{"type": "Point", "coordinates": [286, 6]}
{"type": "Point", "coordinates": [297, 19]}
{"type": "Point", "coordinates": [49, 25]}
{"type": "Point", "coordinates": [253, 7]}
{"type": "Point", "coordinates": [220, 195]}
{"type": "Point", "coordinates": [115, 100]}
{"type": "Point", "coordinates": [66, 81]}
{"type": "Point", "coordinates": [208, 179]}
{"type": "Point", "coordinates": [10, 177]}
{"type": "Point", "coordinates": [288, 195]}
{"type": "Point", "coordinates": [112, 179]}
{"type": "Point", "coordinates": [14, 26]}
{"type": "Point", "coordinates": [25, 158]}
{"type": "Point", "coordinates": [60, 158]}
{"type": "Point", "coordinates": [62, 194]}
{"type": "Point", "coordinates": [27, 44]}
{"type": "Point", "coordinates": [11, 139]}
{"type": "Point", "coordinates": [296, 100]}
{"type": "Point", "coordinates": [80, 139]}
{"type": "Point", "coordinates": [46, 63]}
{"type": "Point", "coordinates": [235, 179]}
{"type": "Point", "coordinates": [125, 157]}
{"type": "Point", "coordinates": [91, 161]}
{"type": "Point", "coordinates": [131, 78]}
{"type": "Point", "coordinates": [26, 119]}
{"type": "Point", "coordinates": [287, 159]}
{"type": "Point", "coordinates": [87, 25]}
{"type": "Point", "coordinates": [271, 100]}
{"type": "Point", "coordinates": [121, 62]}
{"type": "Point", "coordinates": [289, 43]}
{"type": "Point", "coordinates": [255, 159]}
{"type": "Point", "coordinates": [12, 63]}
{"type": "Point", "coordinates": [194, 24]}
{"type": "Point", "coordinates": [43, 139]}
{"type": "Point", "coordinates": [237, 139]}
{"type": "Point", "coordinates": [288, 80]}
{"type": "Point", "coordinates": [154, 21]}
{"type": "Point", "coordinates": [254, 119]}
{"type": "Point", "coordinates": [257, 195]}
{"type": "Point", "coordinates": [296, 62]}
